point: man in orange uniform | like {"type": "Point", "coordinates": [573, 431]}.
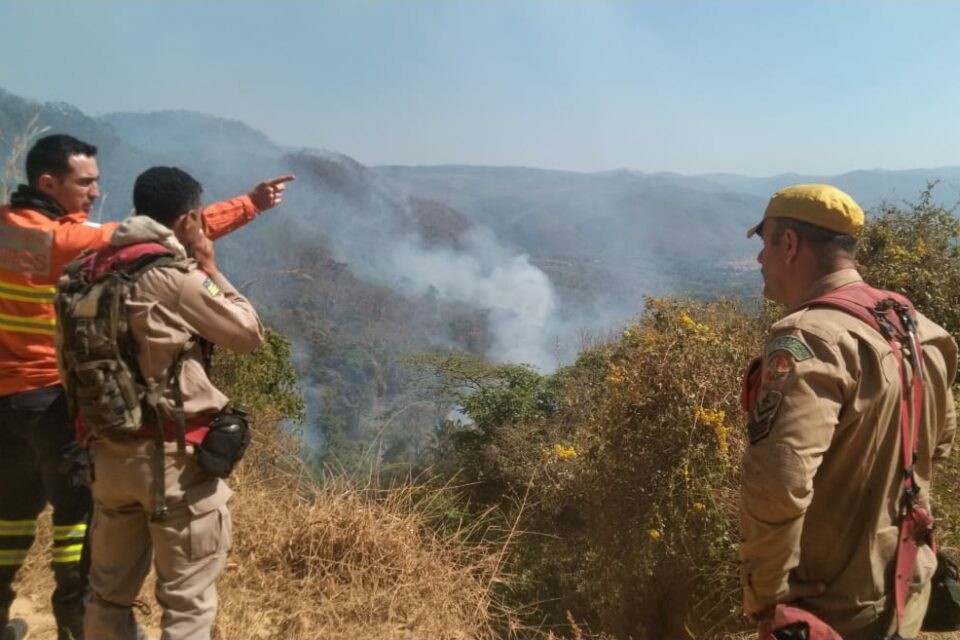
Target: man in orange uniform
{"type": "Point", "coordinates": [45, 226]}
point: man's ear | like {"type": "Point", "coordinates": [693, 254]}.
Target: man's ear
{"type": "Point", "coordinates": [791, 241]}
{"type": "Point", "coordinates": [181, 223]}
{"type": "Point", "coordinates": [46, 183]}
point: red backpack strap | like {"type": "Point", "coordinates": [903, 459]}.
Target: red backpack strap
{"type": "Point", "coordinates": [893, 316]}
{"type": "Point", "coordinates": [750, 384]}
{"type": "Point", "coordinates": [124, 258]}
{"type": "Point", "coordinates": [873, 306]}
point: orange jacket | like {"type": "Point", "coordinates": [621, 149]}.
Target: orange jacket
{"type": "Point", "coordinates": [34, 248]}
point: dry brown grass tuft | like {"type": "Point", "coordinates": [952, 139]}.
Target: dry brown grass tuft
{"type": "Point", "coordinates": [333, 560]}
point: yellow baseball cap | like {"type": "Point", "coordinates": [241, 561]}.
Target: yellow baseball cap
{"type": "Point", "coordinates": [819, 204]}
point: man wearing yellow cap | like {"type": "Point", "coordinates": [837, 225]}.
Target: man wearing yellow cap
{"type": "Point", "coordinates": [823, 478]}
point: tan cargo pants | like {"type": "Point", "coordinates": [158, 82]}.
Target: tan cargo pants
{"type": "Point", "coordinates": [188, 548]}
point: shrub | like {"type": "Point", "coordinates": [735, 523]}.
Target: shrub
{"type": "Point", "coordinates": [262, 379]}
{"type": "Point", "coordinates": [625, 466]}
{"type": "Point", "coordinates": [914, 251]}
{"type": "Point", "coordinates": [627, 462]}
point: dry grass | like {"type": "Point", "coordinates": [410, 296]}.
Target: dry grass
{"type": "Point", "coordinates": [332, 560]}
{"type": "Point", "coordinates": [340, 561]}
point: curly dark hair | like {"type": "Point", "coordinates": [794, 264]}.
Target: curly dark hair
{"type": "Point", "coordinates": [165, 194]}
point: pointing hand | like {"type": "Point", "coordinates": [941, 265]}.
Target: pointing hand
{"type": "Point", "coordinates": [269, 193]}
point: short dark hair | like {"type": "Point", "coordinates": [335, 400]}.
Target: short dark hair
{"type": "Point", "coordinates": [51, 154]}
{"type": "Point", "coordinates": [165, 194]}
{"type": "Point", "coordinates": [816, 235]}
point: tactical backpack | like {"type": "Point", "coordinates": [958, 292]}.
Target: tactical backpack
{"type": "Point", "coordinates": [97, 354]}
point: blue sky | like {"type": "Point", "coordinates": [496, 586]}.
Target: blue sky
{"type": "Point", "coordinates": [744, 87]}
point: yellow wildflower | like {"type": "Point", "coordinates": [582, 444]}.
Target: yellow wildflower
{"type": "Point", "coordinates": [715, 419]}
{"type": "Point", "coordinates": [699, 506]}
{"type": "Point", "coordinates": [654, 533]}
{"type": "Point", "coordinates": [702, 332]}
{"type": "Point", "coordinates": [564, 453]}
{"type": "Point", "coordinates": [710, 417]}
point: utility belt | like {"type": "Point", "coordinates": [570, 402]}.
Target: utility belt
{"type": "Point", "coordinates": [220, 449]}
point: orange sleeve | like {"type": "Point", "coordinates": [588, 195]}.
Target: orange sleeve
{"type": "Point", "coordinates": [221, 218]}
{"type": "Point", "coordinates": [74, 234]}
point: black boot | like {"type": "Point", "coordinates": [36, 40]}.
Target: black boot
{"type": "Point", "coordinates": [16, 629]}
{"type": "Point", "coordinates": [68, 600]}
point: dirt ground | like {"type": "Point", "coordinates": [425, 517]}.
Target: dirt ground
{"type": "Point", "coordinates": [35, 584]}
{"type": "Point", "coordinates": [36, 612]}
{"type": "Point", "coordinates": [40, 621]}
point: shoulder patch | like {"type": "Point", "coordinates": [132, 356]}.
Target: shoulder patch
{"type": "Point", "coordinates": [211, 286]}
{"type": "Point", "coordinates": [762, 415]}
{"type": "Point", "coordinates": [793, 346]}
{"type": "Point", "coordinates": [777, 366]}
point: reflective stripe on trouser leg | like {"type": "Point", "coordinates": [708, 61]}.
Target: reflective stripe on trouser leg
{"type": "Point", "coordinates": [68, 542]}
{"type": "Point", "coordinates": [12, 557]}
{"type": "Point", "coordinates": [16, 537]}
{"type": "Point", "coordinates": [67, 600]}
{"type": "Point", "coordinates": [18, 528]}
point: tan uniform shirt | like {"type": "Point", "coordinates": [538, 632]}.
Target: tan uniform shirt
{"type": "Point", "coordinates": [822, 477]}
{"type": "Point", "coordinates": [171, 305]}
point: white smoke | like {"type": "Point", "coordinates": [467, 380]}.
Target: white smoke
{"type": "Point", "coordinates": [519, 296]}
{"type": "Point", "coordinates": [360, 224]}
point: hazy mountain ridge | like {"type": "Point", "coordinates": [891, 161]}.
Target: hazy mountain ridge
{"type": "Point", "coordinates": [362, 265]}
{"type": "Point", "coordinates": [605, 239]}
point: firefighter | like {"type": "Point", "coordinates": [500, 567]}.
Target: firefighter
{"type": "Point", "coordinates": [823, 474]}
{"type": "Point", "coordinates": [159, 494]}
{"type": "Point", "coordinates": [45, 226]}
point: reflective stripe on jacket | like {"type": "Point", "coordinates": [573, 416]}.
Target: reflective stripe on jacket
{"type": "Point", "coordinates": [34, 248]}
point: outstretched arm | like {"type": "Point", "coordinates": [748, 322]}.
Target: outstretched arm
{"type": "Point", "coordinates": [221, 218]}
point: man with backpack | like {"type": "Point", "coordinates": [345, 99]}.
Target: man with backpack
{"type": "Point", "coordinates": [45, 226]}
{"type": "Point", "coordinates": [849, 406]}
{"type": "Point", "coordinates": [137, 322]}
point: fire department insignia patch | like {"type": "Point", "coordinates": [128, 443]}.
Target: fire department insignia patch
{"type": "Point", "coordinates": [779, 365]}
{"type": "Point", "coordinates": [762, 416]}
{"type": "Point", "coordinates": [791, 345]}
{"type": "Point", "coordinates": [211, 287]}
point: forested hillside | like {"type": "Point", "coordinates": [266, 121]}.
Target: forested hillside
{"type": "Point", "coordinates": [447, 489]}
{"type": "Point", "coordinates": [362, 268]}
